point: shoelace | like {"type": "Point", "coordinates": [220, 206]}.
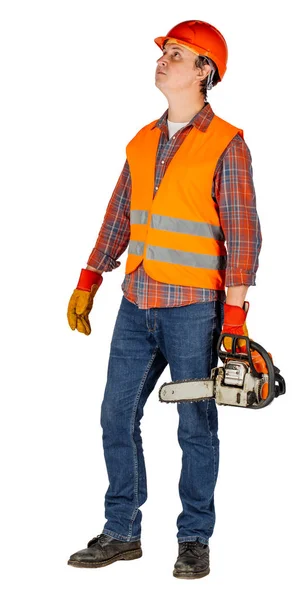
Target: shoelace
{"type": "Point", "coordinates": [96, 540]}
{"type": "Point", "coordinates": [192, 546]}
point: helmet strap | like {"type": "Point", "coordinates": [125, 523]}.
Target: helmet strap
{"type": "Point", "coordinates": [209, 84]}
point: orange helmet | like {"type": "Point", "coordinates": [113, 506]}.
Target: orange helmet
{"type": "Point", "coordinates": [202, 38]}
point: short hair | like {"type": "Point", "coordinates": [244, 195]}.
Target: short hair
{"type": "Point", "coordinates": [200, 61]}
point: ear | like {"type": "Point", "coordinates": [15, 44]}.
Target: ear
{"type": "Point", "coordinates": [202, 72]}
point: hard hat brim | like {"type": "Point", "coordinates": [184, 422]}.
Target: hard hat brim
{"type": "Point", "coordinates": [196, 49]}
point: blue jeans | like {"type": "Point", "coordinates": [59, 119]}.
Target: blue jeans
{"type": "Point", "coordinates": [144, 341]}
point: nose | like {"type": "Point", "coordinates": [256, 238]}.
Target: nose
{"type": "Point", "coordinates": [161, 62]}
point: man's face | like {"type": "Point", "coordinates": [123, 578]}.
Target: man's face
{"type": "Point", "coordinates": [175, 68]}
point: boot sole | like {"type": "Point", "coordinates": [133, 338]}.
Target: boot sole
{"type": "Point", "coordinates": [130, 555]}
{"type": "Point", "coordinates": [189, 575]}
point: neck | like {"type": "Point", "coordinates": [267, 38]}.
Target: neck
{"type": "Point", "coordinates": [180, 111]}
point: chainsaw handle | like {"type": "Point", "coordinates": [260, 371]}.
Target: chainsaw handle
{"type": "Point", "coordinates": [234, 354]}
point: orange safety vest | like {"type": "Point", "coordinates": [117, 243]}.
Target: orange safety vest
{"type": "Point", "coordinates": [178, 233]}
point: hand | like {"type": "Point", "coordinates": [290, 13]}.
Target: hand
{"type": "Point", "coordinates": [81, 301]}
{"type": "Point", "coordinates": [235, 323]}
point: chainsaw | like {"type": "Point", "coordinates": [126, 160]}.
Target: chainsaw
{"type": "Point", "coordinates": [236, 383]}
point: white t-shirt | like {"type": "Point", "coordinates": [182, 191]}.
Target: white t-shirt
{"type": "Point", "coordinates": [174, 127]}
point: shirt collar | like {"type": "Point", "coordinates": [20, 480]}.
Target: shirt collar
{"type": "Point", "coordinates": [200, 120]}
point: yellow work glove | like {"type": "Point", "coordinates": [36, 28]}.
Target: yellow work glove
{"type": "Point", "coordinates": [81, 301]}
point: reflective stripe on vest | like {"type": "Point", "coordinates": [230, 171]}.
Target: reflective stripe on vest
{"type": "Point", "coordinates": [191, 259]}
{"type": "Point", "coordinates": [136, 248]}
{"type": "Point", "coordinates": [140, 217]}
{"type": "Point", "coordinates": [176, 229]}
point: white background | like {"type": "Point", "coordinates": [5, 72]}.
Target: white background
{"type": "Point", "coordinates": [77, 82]}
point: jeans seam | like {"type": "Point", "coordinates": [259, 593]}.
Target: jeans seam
{"type": "Point", "coordinates": [211, 352]}
{"type": "Point", "coordinates": [192, 538]}
{"type": "Point", "coordinates": [119, 536]}
{"type": "Point", "coordinates": [135, 461]}
{"type": "Point", "coordinates": [148, 319]}
{"type": "Point", "coordinates": [209, 401]}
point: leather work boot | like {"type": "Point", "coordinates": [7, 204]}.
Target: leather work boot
{"type": "Point", "coordinates": [192, 561]}
{"type": "Point", "coordinates": [103, 550]}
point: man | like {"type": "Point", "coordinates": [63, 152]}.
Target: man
{"type": "Point", "coordinates": [186, 188]}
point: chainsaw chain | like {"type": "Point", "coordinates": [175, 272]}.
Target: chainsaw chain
{"type": "Point", "coordinates": [183, 381]}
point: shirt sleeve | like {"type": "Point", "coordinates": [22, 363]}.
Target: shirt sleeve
{"type": "Point", "coordinates": [235, 194]}
{"type": "Point", "coordinates": [114, 235]}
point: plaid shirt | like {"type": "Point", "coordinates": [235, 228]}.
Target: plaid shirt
{"type": "Point", "coordinates": [232, 189]}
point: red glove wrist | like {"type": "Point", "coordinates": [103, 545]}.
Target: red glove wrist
{"type": "Point", "coordinates": [235, 323]}
{"type": "Point", "coordinates": [235, 316]}
{"type": "Point", "coordinates": [87, 279]}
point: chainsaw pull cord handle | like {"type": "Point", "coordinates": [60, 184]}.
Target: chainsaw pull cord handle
{"type": "Point", "coordinates": [273, 372]}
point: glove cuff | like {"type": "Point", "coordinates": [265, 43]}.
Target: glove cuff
{"type": "Point", "coordinates": [235, 315]}
{"type": "Point", "coordinates": [87, 279]}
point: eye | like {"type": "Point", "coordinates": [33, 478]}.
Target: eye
{"type": "Point", "coordinates": [174, 52]}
